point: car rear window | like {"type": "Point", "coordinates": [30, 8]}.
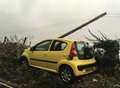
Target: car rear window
{"type": "Point", "coordinates": [80, 45]}
{"type": "Point", "coordinates": [84, 50]}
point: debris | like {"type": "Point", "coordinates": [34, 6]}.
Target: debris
{"type": "Point", "coordinates": [94, 80]}
{"type": "Point", "coordinates": [116, 85]}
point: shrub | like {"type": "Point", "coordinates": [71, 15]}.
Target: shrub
{"type": "Point", "coordinates": [109, 57]}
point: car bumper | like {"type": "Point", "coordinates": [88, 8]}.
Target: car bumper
{"type": "Point", "coordinates": [86, 69]}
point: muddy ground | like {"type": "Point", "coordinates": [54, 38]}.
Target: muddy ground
{"type": "Point", "coordinates": [11, 70]}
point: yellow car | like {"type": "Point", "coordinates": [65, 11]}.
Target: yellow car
{"type": "Point", "coordinates": [68, 58]}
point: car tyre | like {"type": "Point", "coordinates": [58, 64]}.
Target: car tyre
{"type": "Point", "coordinates": [25, 64]}
{"type": "Point", "coordinates": [66, 74]}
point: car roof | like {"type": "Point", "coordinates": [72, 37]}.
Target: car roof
{"type": "Point", "coordinates": [66, 39]}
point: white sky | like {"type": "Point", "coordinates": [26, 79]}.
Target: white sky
{"type": "Point", "coordinates": [42, 19]}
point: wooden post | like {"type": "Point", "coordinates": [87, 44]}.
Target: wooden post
{"type": "Point", "coordinates": [83, 25]}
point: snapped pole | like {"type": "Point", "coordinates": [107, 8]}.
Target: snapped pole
{"type": "Point", "coordinates": [83, 25]}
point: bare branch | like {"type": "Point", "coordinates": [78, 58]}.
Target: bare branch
{"type": "Point", "coordinates": [96, 37]}
{"type": "Point", "coordinates": [93, 40]}
{"type": "Point", "coordinates": [104, 36]}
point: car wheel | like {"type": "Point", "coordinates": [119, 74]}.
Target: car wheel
{"type": "Point", "coordinates": [25, 64]}
{"type": "Point", "coordinates": [66, 74]}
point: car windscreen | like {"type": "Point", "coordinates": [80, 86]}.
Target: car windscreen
{"type": "Point", "coordinates": [84, 50]}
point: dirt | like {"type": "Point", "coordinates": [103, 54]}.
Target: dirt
{"type": "Point", "coordinates": [11, 70]}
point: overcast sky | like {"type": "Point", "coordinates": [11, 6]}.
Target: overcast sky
{"type": "Point", "coordinates": [42, 19]}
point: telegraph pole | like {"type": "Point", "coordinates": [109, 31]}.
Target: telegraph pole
{"type": "Point", "coordinates": [83, 25]}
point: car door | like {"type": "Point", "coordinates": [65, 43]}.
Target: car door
{"type": "Point", "coordinates": [39, 53]}
{"type": "Point", "coordinates": [57, 52]}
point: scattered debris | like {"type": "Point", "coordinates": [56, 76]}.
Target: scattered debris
{"type": "Point", "coordinates": [116, 86]}
{"type": "Point", "coordinates": [94, 80]}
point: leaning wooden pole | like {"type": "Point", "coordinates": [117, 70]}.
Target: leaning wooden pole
{"type": "Point", "coordinates": [83, 25]}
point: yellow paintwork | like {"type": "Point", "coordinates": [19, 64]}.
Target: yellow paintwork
{"type": "Point", "coordinates": [61, 57]}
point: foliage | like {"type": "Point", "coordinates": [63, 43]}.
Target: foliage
{"type": "Point", "coordinates": [12, 47]}
{"type": "Point", "coordinates": [108, 57]}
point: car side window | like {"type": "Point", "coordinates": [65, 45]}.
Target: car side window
{"type": "Point", "coordinates": [43, 46]}
{"type": "Point", "coordinates": [58, 46]}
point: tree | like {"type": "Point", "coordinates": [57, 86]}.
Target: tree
{"type": "Point", "coordinates": [108, 57]}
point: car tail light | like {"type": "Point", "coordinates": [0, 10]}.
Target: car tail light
{"type": "Point", "coordinates": [73, 51]}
